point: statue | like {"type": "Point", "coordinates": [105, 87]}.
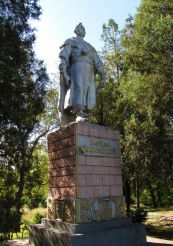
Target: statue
{"type": "Point", "coordinates": [79, 62]}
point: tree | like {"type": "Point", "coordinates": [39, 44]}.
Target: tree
{"type": "Point", "coordinates": [104, 112]}
{"type": "Point", "coordinates": [23, 81]}
{"type": "Point", "coordinates": [146, 93]}
{"type": "Point", "coordinates": [139, 100]}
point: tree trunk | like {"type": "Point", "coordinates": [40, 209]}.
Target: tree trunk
{"type": "Point", "coordinates": [159, 196]}
{"type": "Point", "coordinates": [128, 195]}
{"type": "Point", "coordinates": [20, 189]}
{"type": "Point", "coordinates": [152, 194]}
{"type": "Point", "coordinates": [137, 192]}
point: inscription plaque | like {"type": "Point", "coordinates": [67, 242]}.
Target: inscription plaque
{"type": "Point", "coordinates": [94, 146]}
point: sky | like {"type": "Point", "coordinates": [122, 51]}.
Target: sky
{"type": "Point", "coordinates": [59, 18]}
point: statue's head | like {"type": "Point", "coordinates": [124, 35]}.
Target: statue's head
{"type": "Point", "coordinates": [80, 30]}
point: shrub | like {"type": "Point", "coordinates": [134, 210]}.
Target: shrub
{"type": "Point", "coordinates": [38, 217]}
{"type": "Point", "coordinates": [139, 215]}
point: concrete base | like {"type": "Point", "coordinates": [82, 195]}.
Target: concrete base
{"type": "Point", "coordinates": [119, 232]}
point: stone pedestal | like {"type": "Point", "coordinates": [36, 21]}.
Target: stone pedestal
{"type": "Point", "coordinates": [85, 181]}
{"type": "Point", "coordinates": [119, 232]}
{"type": "Point", "coordinates": [85, 203]}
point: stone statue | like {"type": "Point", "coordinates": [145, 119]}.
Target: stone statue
{"type": "Point", "coordinates": [79, 62]}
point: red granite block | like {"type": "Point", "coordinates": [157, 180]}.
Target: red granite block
{"type": "Point", "coordinates": [61, 182]}
{"type": "Point", "coordinates": [81, 180]}
{"type": "Point", "coordinates": [63, 143]}
{"type": "Point", "coordinates": [85, 169]}
{"type": "Point", "coordinates": [103, 132]}
{"type": "Point", "coordinates": [102, 191]}
{"type": "Point", "coordinates": [79, 129]}
{"type": "Point", "coordinates": [90, 130]}
{"type": "Point", "coordinates": [73, 129]}
{"type": "Point", "coordinates": [94, 180]}
{"type": "Point", "coordinates": [63, 153]}
{"type": "Point", "coordinates": [118, 162]}
{"type": "Point", "coordinates": [81, 160]}
{"type": "Point", "coordinates": [52, 137]}
{"type": "Point", "coordinates": [115, 170]}
{"type": "Point", "coordinates": [96, 131]}
{"type": "Point", "coordinates": [83, 129]}
{"type": "Point", "coordinates": [117, 190]}
{"type": "Point", "coordinates": [113, 134]}
{"type": "Point", "coordinates": [52, 172]}
{"type": "Point", "coordinates": [62, 171]}
{"type": "Point", "coordinates": [62, 133]}
{"type": "Point", "coordinates": [101, 170]}
{"type": "Point", "coordinates": [63, 193]}
{"type": "Point", "coordinates": [93, 170]}
{"type": "Point", "coordinates": [109, 179]}
{"type": "Point", "coordinates": [107, 170]}
{"type": "Point", "coordinates": [119, 180]}
{"type": "Point", "coordinates": [86, 192]}
{"type": "Point", "coordinates": [110, 161]}
{"type": "Point", "coordinates": [68, 161]}
{"type": "Point", "coordinates": [93, 161]}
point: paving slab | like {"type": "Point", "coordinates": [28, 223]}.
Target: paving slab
{"type": "Point", "coordinates": [16, 242]}
{"type": "Point", "coordinates": [151, 241]}
{"type": "Point", "coordinates": [158, 242]}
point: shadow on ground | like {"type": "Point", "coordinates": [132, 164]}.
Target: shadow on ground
{"type": "Point", "coordinates": [165, 233]}
{"type": "Point", "coordinates": [159, 244]}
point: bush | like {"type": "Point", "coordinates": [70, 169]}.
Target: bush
{"type": "Point", "coordinates": [9, 223]}
{"type": "Point", "coordinates": [38, 217]}
{"type": "Point", "coordinates": [139, 215]}
{"type": "Point", "coordinates": [145, 198]}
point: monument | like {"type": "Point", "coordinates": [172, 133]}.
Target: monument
{"type": "Point", "coordinates": [78, 64]}
{"type": "Point", "coordinates": [85, 203]}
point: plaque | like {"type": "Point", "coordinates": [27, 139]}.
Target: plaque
{"type": "Point", "coordinates": [95, 146]}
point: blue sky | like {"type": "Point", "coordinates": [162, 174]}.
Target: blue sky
{"type": "Point", "coordinates": [60, 17]}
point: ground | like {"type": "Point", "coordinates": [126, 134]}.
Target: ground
{"type": "Point", "coordinates": [160, 224]}
{"type": "Point", "coordinates": [151, 242]}
{"type": "Point", "coordinates": [158, 242]}
{"type": "Point", "coordinates": [159, 228]}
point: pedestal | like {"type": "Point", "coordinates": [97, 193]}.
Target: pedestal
{"type": "Point", "coordinates": [85, 191]}
{"type": "Point", "coordinates": [85, 181]}
{"type": "Point", "coordinates": [117, 232]}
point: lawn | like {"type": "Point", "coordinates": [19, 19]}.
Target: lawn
{"type": "Point", "coordinates": [29, 217]}
{"type": "Point", "coordinates": [160, 223]}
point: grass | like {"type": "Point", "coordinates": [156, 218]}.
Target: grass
{"type": "Point", "coordinates": [29, 217]}
{"type": "Point", "coordinates": [160, 223]}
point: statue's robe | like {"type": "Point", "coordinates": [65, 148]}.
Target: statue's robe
{"type": "Point", "coordinates": [81, 62]}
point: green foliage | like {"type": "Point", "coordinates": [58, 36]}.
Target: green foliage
{"type": "Point", "coordinates": [37, 218]}
{"type": "Point", "coordinates": [139, 215]}
{"type": "Point", "coordinates": [9, 223]}
{"type": "Point", "coordinates": [146, 198]}
{"type": "Point", "coordinates": [105, 111]}
{"type": "Point", "coordinates": [137, 98]}
{"type": "Point", "coordinates": [146, 88]}
{"type": "Point", "coordinates": [36, 187]}
{"type": "Point", "coordinates": [27, 217]}
{"type": "Point", "coordinates": [23, 81]}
